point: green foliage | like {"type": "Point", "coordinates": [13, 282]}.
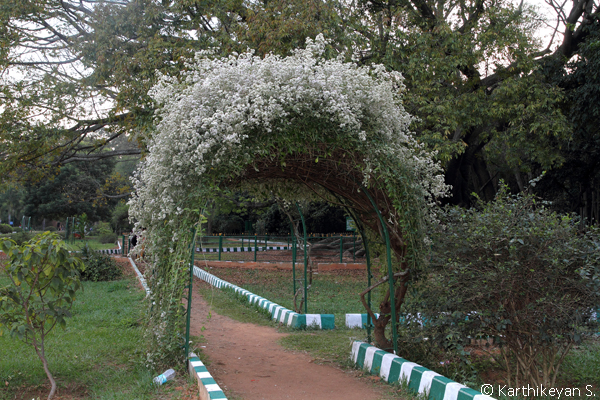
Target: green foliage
{"type": "Point", "coordinates": [108, 238]}
{"type": "Point", "coordinates": [5, 228]}
{"type": "Point", "coordinates": [320, 217]}
{"type": "Point", "coordinates": [11, 202]}
{"type": "Point", "coordinates": [102, 228]}
{"type": "Point", "coordinates": [477, 83]}
{"type": "Point", "coordinates": [514, 271]}
{"type": "Point", "coordinates": [44, 277]}
{"type": "Point", "coordinates": [567, 186]}
{"type": "Point", "coordinates": [168, 279]}
{"type": "Point", "coordinates": [44, 280]}
{"type": "Point", "coordinates": [21, 237]}
{"type": "Point", "coordinates": [75, 189]}
{"type": "Point", "coordinates": [119, 219]}
{"type": "Point", "coordinates": [99, 267]}
{"type": "Point", "coordinates": [81, 226]}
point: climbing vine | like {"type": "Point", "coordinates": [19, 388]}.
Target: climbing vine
{"type": "Point", "coordinates": [297, 127]}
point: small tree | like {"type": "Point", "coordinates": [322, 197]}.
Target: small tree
{"type": "Point", "coordinates": [513, 270]}
{"type": "Point", "coordinates": [81, 225]}
{"type": "Point", "coordinates": [44, 278]}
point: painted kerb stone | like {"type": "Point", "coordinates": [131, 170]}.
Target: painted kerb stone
{"type": "Point", "coordinates": [207, 387]}
{"type": "Point", "coordinates": [278, 313]}
{"type": "Point", "coordinates": [392, 368]}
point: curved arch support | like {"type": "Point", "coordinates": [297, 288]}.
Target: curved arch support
{"type": "Point", "coordinates": [305, 259]}
{"type": "Point", "coordinates": [388, 253]}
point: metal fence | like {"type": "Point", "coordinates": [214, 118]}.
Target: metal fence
{"type": "Point", "coordinates": [271, 248]}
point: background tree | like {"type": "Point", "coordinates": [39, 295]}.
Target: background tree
{"type": "Point", "coordinates": [85, 187]}
{"type": "Point", "coordinates": [475, 78]}
{"type": "Point", "coordinates": [11, 203]}
{"type": "Point", "coordinates": [74, 75]}
{"type": "Point", "coordinates": [575, 186]}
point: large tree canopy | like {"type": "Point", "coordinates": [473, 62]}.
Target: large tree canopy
{"type": "Point", "coordinates": [71, 71]}
{"type": "Point", "coordinates": [477, 78]}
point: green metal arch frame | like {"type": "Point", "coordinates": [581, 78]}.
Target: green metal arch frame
{"type": "Point", "coordinates": [305, 260]}
{"type": "Point", "coordinates": [360, 227]}
{"type": "Point", "coordinates": [388, 252]}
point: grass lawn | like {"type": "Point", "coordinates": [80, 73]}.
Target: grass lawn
{"type": "Point", "coordinates": [336, 294]}
{"type": "Point", "coordinates": [77, 244]}
{"type": "Point", "coordinates": [91, 241]}
{"type": "Point", "coordinates": [97, 356]}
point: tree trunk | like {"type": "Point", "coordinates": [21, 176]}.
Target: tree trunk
{"type": "Point", "coordinates": [468, 173]}
{"type": "Point", "coordinates": [385, 314]}
{"type": "Point", "coordinates": [41, 354]}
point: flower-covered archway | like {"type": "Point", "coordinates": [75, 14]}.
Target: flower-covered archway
{"type": "Point", "coordinates": [299, 127]}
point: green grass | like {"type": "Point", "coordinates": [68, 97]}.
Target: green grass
{"type": "Point", "coordinates": [77, 244]}
{"type": "Point", "coordinates": [97, 356]}
{"type": "Point", "coordinates": [93, 242]}
{"type": "Point", "coordinates": [582, 364]}
{"type": "Point", "coordinates": [225, 303]}
{"type": "Point", "coordinates": [336, 294]}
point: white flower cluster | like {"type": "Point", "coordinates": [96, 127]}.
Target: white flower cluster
{"type": "Point", "coordinates": [222, 113]}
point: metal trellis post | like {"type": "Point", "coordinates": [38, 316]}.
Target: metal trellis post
{"type": "Point", "coordinates": [220, 246]}
{"type": "Point", "coordinates": [305, 260]}
{"type": "Point", "coordinates": [189, 302]}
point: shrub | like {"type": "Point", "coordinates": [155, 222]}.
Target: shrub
{"type": "Point", "coordinates": [21, 237]}
{"type": "Point", "coordinates": [512, 270]}
{"type": "Point", "coordinates": [99, 267]}
{"type": "Point", "coordinates": [103, 228]}
{"type": "Point", "coordinates": [50, 228]}
{"type": "Point", "coordinates": [5, 228]}
{"type": "Point", "coordinates": [108, 238]}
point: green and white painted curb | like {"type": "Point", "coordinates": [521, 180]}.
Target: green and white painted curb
{"type": "Point", "coordinates": [357, 321]}
{"type": "Point", "coordinates": [105, 251]}
{"type": "Point", "coordinates": [392, 368]}
{"type": "Point", "coordinates": [109, 251]}
{"type": "Point", "coordinates": [239, 249]}
{"type": "Point", "coordinates": [209, 389]}
{"type": "Point", "coordinates": [278, 313]}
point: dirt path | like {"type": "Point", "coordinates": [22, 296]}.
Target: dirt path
{"type": "Point", "coordinates": [249, 364]}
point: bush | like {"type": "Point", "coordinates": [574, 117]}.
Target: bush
{"type": "Point", "coordinates": [108, 238]}
{"type": "Point", "coordinates": [50, 228]}
{"type": "Point", "coordinates": [5, 228]}
{"type": "Point", "coordinates": [99, 267]}
{"type": "Point", "coordinates": [103, 228]}
{"type": "Point", "coordinates": [21, 237]}
{"type": "Point", "coordinates": [512, 270]}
